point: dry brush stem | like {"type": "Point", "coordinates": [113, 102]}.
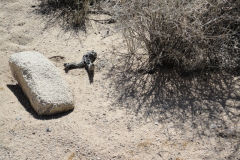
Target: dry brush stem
{"type": "Point", "coordinates": [72, 12]}
{"type": "Point", "coordinates": [166, 38]}
{"type": "Point", "coordinates": [186, 34]}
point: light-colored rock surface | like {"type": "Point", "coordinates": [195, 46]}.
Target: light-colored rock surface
{"type": "Point", "coordinates": [42, 83]}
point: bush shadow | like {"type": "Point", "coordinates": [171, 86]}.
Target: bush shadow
{"type": "Point", "coordinates": [59, 13]}
{"type": "Point", "coordinates": [207, 100]}
{"type": "Point", "coordinates": [22, 98]}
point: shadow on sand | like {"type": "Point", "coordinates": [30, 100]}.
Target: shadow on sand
{"type": "Point", "coordinates": [208, 101]}
{"type": "Point", "coordinates": [17, 91]}
{"type": "Point", "coordinates": [62, 13]}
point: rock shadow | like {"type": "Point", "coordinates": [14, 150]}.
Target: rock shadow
{"type": "Point", "coordinates": [22, 98]}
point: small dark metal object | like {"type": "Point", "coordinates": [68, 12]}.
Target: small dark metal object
{"type": "Point", "coordinates": [87, 63]}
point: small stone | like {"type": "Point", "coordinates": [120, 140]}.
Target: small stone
{"type": "Point", "coordinates": [232, 103]}
{"type": "Point", "coordinates": [156, 123]}
{"type": "Point", "coordinates": [235, 93]}
{"type": "Point", "coordinates": [18, 118]}
{"type": "Point", "coordinates": [48, 130]}
{"type": "Point", "coordinates": [213, 126]}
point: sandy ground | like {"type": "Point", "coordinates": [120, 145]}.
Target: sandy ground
{"type": "Point", "coordinates": [96, 128]}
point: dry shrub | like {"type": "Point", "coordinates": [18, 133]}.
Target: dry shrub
{"type": "Point", "coordinates": [169, 37]}
{"type": "Point", "coordinates": [73, 13]}
{"type": "Point", "coordinates": [187, 35]}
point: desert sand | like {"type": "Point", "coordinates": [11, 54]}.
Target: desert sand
{"type": "Point", "coordinates": [96, 129]}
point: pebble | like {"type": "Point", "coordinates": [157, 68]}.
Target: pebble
{"type": "Point", "coordinates": [48, 130]}
{"type": "Point", "coordinates": [18, 118]}
{"type": "Point", "coordinates": [213, 126]}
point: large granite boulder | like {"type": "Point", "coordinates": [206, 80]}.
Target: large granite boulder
{"type": "Point", "coordinates": [42, 83]}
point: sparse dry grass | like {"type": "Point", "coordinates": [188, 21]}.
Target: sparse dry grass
{"type": "Point", "coordinates": [186, 35]}
{"type": "Point", "coordinates": [181, 62]}
{"type": "Point", "coordinates": [72, 12]}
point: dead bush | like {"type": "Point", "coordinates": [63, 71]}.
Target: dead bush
{"type": "Point", "coordinates": [187, 35]}
{"type": "Point", "coordinates": [166, 38]}
{"type": "Point", "coordinates": [73, 13]}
